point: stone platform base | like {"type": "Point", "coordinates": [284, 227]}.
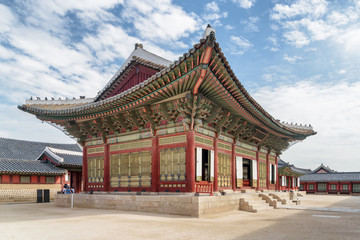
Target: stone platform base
{"type": "Point", "coordinates": [186, 205]}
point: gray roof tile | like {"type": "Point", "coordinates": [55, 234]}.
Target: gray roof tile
{"type": "Point", "coordinates": [65, 158]}
{"type": "Point", "coordinates": [15, 166]}
{"type": "Point", "coordinates": [332, 177]}
{"type": "Point", "coordinates": [29, 150]}
{"type": "Point", "coordinates": [282, 164]}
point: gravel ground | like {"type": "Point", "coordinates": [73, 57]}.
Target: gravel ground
{"type": "Point", "coordinates": [44, 221]}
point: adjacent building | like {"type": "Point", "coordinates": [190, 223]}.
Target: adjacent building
{"type": "Point", "coordinates": [324, 180]}
{"type": "Point", "coordinates": [182, 126]}
{"type": "Point", "coordinates": [289, 176]}
{"type": "Point", "coordinates": [26, 166]}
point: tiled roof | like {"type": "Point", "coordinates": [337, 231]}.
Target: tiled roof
{"type": "Point", "coordinates": [282, 164]}
{"type": "Point", "coordinates": [322, 166]}
{"type": "Point", "coordinates": [29, 150]}
{"type": "Point", "coordinates": [64, 157]}
{"type": "Point", "coordinates": [128, 96]}
{"type": "Point", "coordinates": [333, 177]}
{"type": "Point", "coordinates": [139, 54]}
{"type": "Point", "coordinates": [14, 166]}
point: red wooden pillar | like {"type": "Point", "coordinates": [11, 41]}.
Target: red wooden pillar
{"type": "Point", "coordinates": [267, 171]}
{"type": "Point", "coordinates": [216, 186]}
{"type": "Point", "coordinates": [107, 167]}
{"type": "Point", "coordinates": [233, 168]}
{"type": "Point", "coordinates": [85, 169]}
{"type": "Point", "coordinates": [277, 175]}
{"type": "Point", "coordinates": [190, 161]}
{"type": "Point", "coordinates": [257, 163]}
{"type": "Point", "coordinates": [155, 165]}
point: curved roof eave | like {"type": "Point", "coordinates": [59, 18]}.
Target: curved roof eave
{"type": "Point", "coordinates": [107, 101]}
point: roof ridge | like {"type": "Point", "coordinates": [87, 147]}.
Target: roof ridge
{"type": "Point", "coordinates": [66, 152]}
{"type": "Point", "coordinates": [12, 159]}
{"type": "Point", "coordinates": [32, 141]}
{"type": "Point", "coordinates": [157, 55]}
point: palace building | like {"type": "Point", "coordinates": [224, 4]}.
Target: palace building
{"type": "Point", "coordinates": [324, 180]}
{"type": "Point", "coordinates": [289, 176]}
{"type": "Point", "coordinates": [182, 126]}
{"type": "Point", "coordinates": [26, 166]}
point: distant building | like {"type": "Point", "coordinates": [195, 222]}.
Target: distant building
{"type": "Point", "coordinates": [327, 181]}
{"type": "Point", "coordinates": [289, 175]}
{"type": "Point", "coordinates": [26, 166]}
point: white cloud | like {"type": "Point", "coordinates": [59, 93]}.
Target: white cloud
{"type": "Point", "coordinates": [7, 18]}
{"type": "Point", "coordinates": [306, 21]}
{"type": "Point", "coordinates": [314, 8]}
{"type": "Point", "coordinates": [245, 3]}
{"type": "Point", "coordinates": [241, 42]}
{"type": "Point", "coordinates": [342, 71]}
{"type": "Point", "coordinates": [292, 59]}
{"type": "Point", "coordinates": [160, 20]}
{"type": "Point", "coordinates": [213, 14]}
{"type": "Point", "coordinates": [330, 109]}
{"type": "Point", "coordinates": [251, 24]}
{"type": "Point", "coordinates": [273, 40]}
{"type": "Point", "coordinates": [5, 53]}
{"type": "Point", "coordinates": [296, 38]}
{"type": "Point", "coordinates": [229, 27]}
{"type": "Point", "coordinates": [212, 6]}
{"type": "Point", "coordinates": [239, 45]}
{"type": "Point", "coordinates": [350, 41]}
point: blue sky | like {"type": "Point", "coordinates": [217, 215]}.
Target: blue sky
{"type": "Point", "coordinates": [299, 59]}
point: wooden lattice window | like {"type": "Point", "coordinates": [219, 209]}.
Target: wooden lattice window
{"type": "Point", "coordinates": [130, 169]}
{"type": "Point", "coordinates": [96, 169]}
{"type": "Point", "coordinates": [333, 187]}
{"type": "Point", "coordinates": [24, 179]}
{"type": "Point", "coordinates": [311, 186]}
{"type": "Point", "coordinates": [50, 179]}
{"type": "Point", "coordinates": [173, 164]}
{"type": "Point", "coordinates": [356, 187]}
{"type": "Point", "coordinates": [322, 187]}
{"type": "Point", "coordinates": [224, 170]}
{"type": "Point", "coordinates": [262, 174]}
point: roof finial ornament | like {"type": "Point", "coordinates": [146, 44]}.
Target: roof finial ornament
{"type": "Point", "coordinates": [208, 31]}
{"type": "Point", "coordinates": [138, 45]}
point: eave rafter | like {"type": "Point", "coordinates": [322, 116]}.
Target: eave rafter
{"type": "Point", "coordinates": [119, 119]}
{"type": "Point", "coordinates": [194, 107]}
{"type": "Point", "coordinates": [225, 116]}
{"type": "Point", "coordinates": [111, 125]}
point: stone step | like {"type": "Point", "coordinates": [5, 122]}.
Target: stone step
{"type": "Point", "coordinates": [254, 199]}
{"type": "Point", "coordinates": [253, 203]}
{"type": "Point", "coordinates": [248, 191]}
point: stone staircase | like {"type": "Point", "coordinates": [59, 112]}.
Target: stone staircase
{"type": "Point", "coordinates": [287, 197]}
{"type": "Point", "coordinates": [280, 197]}
{"type": "Point", "coordinates": [253, 202]}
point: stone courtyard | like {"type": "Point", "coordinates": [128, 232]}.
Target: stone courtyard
{"type": "Point", "coordinates": [321, 217]}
